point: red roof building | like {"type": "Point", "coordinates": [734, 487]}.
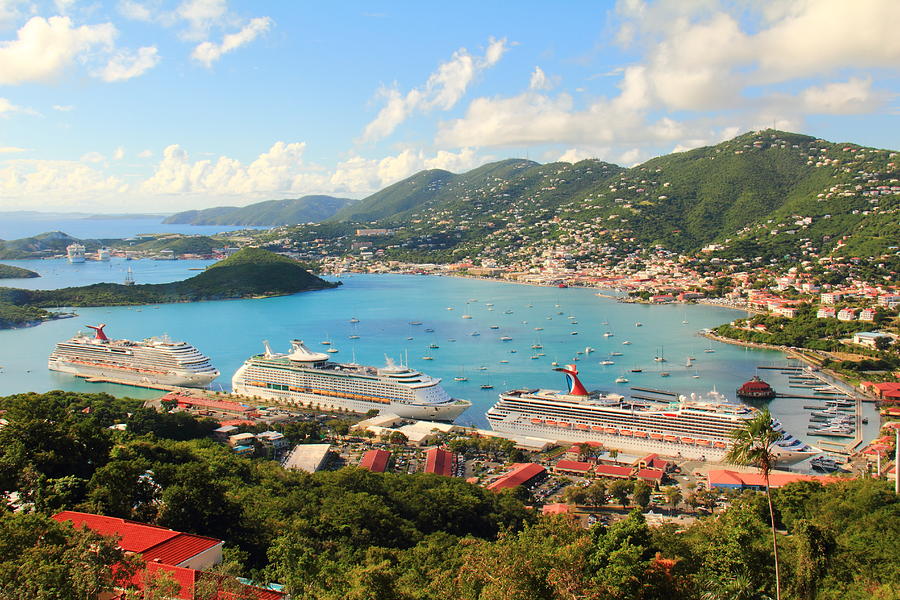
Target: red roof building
{"type": "Point", "coordinates": [573, 467]}
{"type": "Point", "coordinates": [186, 401]}
{"type": "Point", "coordinates": [440, 461]}
{"type": "Point", "coordinates": [653, 461]}
{"type": "Point", "coordinates": [521, 474]}
{"type": "Point", "coordinates": [375, 460]}
{"type": "Point", "coordinates": [556, 509]}
{"type": "Point", "coordinates": [654, 476]}
{"type": "Point", "coordinates": [182, 555]}
{"type": "Point", "coordinates": [735, 480]}
{"type": "Point", "coordinates": [613, 471]}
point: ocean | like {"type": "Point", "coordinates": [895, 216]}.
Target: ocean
{"type": "Point", "coordinates": [386, 305]}
{"type": "Point", "coordinates": [19, 225]}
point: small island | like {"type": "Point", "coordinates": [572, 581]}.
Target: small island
{"type": "Point", "coordinates": [11, 272]}
{"type": "Point", "coordinates": [248, 273]}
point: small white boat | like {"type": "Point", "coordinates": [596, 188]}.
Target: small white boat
{"type": "Point", "coordinates": [626, 343]}
{"type": "Point", "coordinates": [638, 324]}
{"type": "Point", "coordinates": [621, 379]}
{"type": "Point", "coordinates": [607, 362]}
{"type": "Point", "coordinates": [332, 350]}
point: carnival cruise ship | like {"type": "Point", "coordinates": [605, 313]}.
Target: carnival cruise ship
{"type": "Point", "coordinates": [692, 428]}
{"type": "Point", "coordinates": [309, 378]}
{"type": "Point", "coordinates": [153, 360]}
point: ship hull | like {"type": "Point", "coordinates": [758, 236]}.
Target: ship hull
{"type": "Point", "coordinates": [631, 445]}
{"type": "Point", "coordinates": [130, 375]}
{"type": "Point", "coordinates": [427, 412]}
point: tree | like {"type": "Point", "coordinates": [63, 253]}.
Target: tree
{"type": "Point", "coordinates": [619, 490]}
{"type": "Point", "coordinates": [883, 343]}
{"type": "Point", "coordinates": [672, 495]}
{"type": "Point", "coordinates": [641, 494]}
{"type": "Point", "coordinates": [614, 454]}
{"type": "Point", "coordinates": [398, 438]}
{"type": "Point", "coordinates": [752, 445]}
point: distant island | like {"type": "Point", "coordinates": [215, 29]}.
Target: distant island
{"type": "Point", "coordinates": [308, 209]}
{"type": "Point", "coordinates": [249, 273]}
{"type": "Point", "coordinates": [11, 272]}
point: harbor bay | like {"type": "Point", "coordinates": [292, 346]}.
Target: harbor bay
{"type": "Point", "coordinates": [420, 320]}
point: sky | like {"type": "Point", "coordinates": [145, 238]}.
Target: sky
{"type": "Point", "coordinates": [167, 105]}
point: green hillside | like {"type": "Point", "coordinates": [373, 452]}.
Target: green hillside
{"type": "Point", "coordinates": [308, 209]}
{"type": "Point", "coordinates": [11, 272]}
{"type": "Point", "coordinates": [768, 193]}
{"type": "Point", "coordinates": [44, 244]}
{"type": "Point", "coordinates": [250, 272]}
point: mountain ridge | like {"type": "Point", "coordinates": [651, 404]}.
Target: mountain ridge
{"type": "Point", "coordinates": [306, 209]}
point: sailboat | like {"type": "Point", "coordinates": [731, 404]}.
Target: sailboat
{"type": "Point", "coordinates": [660, 358]}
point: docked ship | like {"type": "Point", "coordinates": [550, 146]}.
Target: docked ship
{"type": "Point", "coordinates": [309, 378]}
{"type": "Point", "coordinates": [156, 360]}
{"type": "Point", "coordinates": [75, 253]}
{"type": "Point", "coordinates": [693, 428]}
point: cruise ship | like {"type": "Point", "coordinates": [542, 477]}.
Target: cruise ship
{"type": "Point", "coordinates": [75, 253]}
{"type": "Point", "coordinates": [156, 360]}
{"type": "Point", "coordinates": [309, 378]}
{"type": "Point", "coordinates": [692, 428]}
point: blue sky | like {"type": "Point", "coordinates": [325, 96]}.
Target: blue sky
{"type": "Point", "coordinates": [163, 105]}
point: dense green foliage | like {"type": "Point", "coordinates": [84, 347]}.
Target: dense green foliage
{"type": "Point", "coordinates": [17, 316]}
{"type": "Point", "coordinates": [249, 272]}
{"type": "Point", "coordinates": [11, 272]}
{"type": "Point", "coordinates": [45, 244]}
{"type": "Point", "coordinates": [308, 209]}
{"type": "Point", "coordinates": [195, 244]}
{"type": "Point", "coordinates": [356, 534]}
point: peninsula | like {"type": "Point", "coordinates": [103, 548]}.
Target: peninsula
{"type": "Point", "coordinates": [249, 273]}
{"type": "Point", "coordinates": [11, 272]}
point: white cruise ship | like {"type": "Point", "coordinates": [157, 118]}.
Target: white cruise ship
{"type": "Point", "coordinates": [156, 360]}
{"type": "Point", "coordinates": [75, 253]}
{"type": "Point", "coordinates": [691, 428]}
{"type": "Point", "coordinates": [308, 378]}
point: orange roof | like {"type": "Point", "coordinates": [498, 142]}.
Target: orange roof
{"type": "Point", "coordinates": [612, 471]}
{"type": "Point", "coordinates": [170, 547]}
{"type": "Point", "coordinates": [520, 474]}
{"type": "Point", "coordinates": [201, 402]}
{"type": "Point", "coordinates": [574, 465]}
{"type": "Point", "coordinates": [375, 460]}
{"type": "Point", "coordinates": [556, 509]}
{"type": "Point", "coordinates": [650, 474]}
{"type": "Point", "coordinates": [776, 479]}
{"type": "Point", "coordinates": [439, 461]}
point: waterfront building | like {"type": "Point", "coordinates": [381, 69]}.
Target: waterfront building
{"type": "Point", "coordinates": [375, 460]}
{"type": "Point", "coordinates": [440, 462]}
{"type": "Point", "coordinates": [521, 474]}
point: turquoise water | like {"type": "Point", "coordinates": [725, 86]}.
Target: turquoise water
{"type": "Point", "coordinates": [59, 273]}
{"type": "Point", "coordinates": [230, 331]}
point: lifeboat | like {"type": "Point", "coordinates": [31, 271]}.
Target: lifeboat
{"type": "Point", "coordinates": [670, 438]}
{"type": "Point", "coordinates": [656, 436]}
{"type": "Point", "coordinates": [702, 442]}
{"type": "Point", "coordinates": [687, 440]}
{"type": "Point", "coordinates": [551, 423]}
{"type": "Point", "coordinates": [611, 430]}
{"type": "Point", "coordinates": [627, 432]}
{"type": "Point", "coordinates": [720, 445]}
{"type": "Point", "coordinates": [563, 424]}
{"type": "Point", "coordinates": [580, 426]}
{"type": "Point", "coordinates": [537, 421]}
{"type": "Point", "coordinates": [596, 428]}
{"type": "Point", "coordinates": [640, 434]}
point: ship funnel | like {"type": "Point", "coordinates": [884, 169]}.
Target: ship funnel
{"type": "Point", "coordinates": [575, 386]}
{"type": "Point", "coordinates": [99, 329]}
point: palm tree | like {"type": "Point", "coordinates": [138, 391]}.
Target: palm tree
{"type": "Point", "coordinates": [752, 445]}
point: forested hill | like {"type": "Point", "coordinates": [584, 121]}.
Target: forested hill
{"type": "Point", "coordinates": [308, 209]}
{"type": "Point", "coordinates": [250, 272]}
{"type": "Point", "coordinates": [757, 193]}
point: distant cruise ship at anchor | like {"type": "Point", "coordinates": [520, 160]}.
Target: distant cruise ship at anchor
{"type": "Point", "coordinates": [691, 428]}
{"type": "Point", "coordinates": [309, 378]}
{"type": "Point", "coordinates": [153, 360]}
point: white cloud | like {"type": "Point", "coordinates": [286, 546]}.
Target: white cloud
{"type": "Point", "coordinates": [358, 175]}
{"type": "Point", "coordinates": [63, 107]}
{"type": "Point", "coordinates": [209, 52]}
{"type": "Point", "coordinates": [443, 89]}
{"type": "Point", "coordinates": [63, 6]}
{"type": "Point", "coordinates": [44, 47]}
{"type": "Point", "coordinates": [127, 65]}
{"type": "Point", "coordinates": [119, 153]}
{"type": "Point", "coordinates": [201, 16]}
{"type": "Point", "coordinates": [11, 11]}
{"type": "Point", "coordinates": [11, 150]}
{"type": "Point", "coordinates": [22, 181]}
{"type": "Point", "coordinates": [7, 107]}
{"type": "Point", "coordinates": [854, 96]}
{"type": "Point", "coordinates": [574, 155]}
{"type": "Point", "coordinates": [145, 153]}
{"type": "Point", "coordinates": [539, 80]}
{"type": "Point", "coordinates": [135, 11]}
{"type": "Point", "coordinates": [93, 157]}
